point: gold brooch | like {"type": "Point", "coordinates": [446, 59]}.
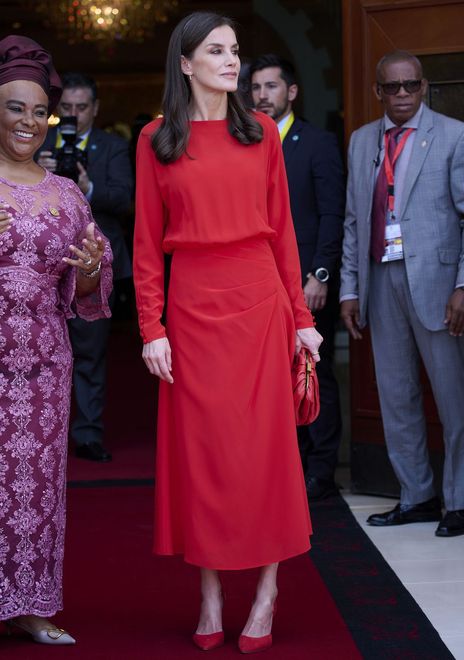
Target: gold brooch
{"type": "Point", "coordinates": [54, 211]}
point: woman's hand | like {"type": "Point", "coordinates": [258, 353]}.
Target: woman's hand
{"type": "Point", "coordinates": [157, 356]}
{"type": "Point", "coordinates": [88, 257]}
{"type": "Point", "coordinates": [310, 339]}
{"type": "Point", "coordinates": [5, 218]}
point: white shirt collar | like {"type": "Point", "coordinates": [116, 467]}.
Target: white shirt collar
{"type": "Point", "coordinates": [82, 137]}
{"type": "Point", "coordinates": [281, 122]}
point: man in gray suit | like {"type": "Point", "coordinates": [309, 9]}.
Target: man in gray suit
{"type": "Point", "coordinates": [403, 272]}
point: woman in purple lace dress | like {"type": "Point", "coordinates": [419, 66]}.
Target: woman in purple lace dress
{"type": "Point", "coordinates": [52, 266]}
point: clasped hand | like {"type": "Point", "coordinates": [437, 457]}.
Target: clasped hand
{"type": "Point", "coordinates": [89, 256]}
{"type": "Point", "coordinates": [310, 339]}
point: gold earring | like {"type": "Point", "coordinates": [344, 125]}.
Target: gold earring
{"type": "Point", "coordinates": [190, 77]}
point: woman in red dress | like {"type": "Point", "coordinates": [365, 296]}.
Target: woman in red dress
{"type": "Point", "coordinates": [212, 191]}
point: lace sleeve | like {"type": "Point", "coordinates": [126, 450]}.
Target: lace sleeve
{"type": "Point", "coordinates": [95, 305]}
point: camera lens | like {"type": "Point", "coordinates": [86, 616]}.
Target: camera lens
{"type": "Point", "coordinates": [68, 155]}
{"type": "Point", "coordinates": [68, 128]}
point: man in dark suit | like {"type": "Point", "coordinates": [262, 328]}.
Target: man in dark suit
{"type": "Point", "coordinates": [106, 181]}
{"type": "Point", "coordinates": [317, 196]}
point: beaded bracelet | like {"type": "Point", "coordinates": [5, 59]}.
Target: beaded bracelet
{"type": "Point", "coordinates": [93, 273]}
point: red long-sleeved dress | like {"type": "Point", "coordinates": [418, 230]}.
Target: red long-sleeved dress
{"type": "Point", "coordinates": [230, 491]}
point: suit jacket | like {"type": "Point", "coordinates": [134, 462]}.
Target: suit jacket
{"type": "Point", "coordinates": [317, 195]}
{"type": "Point", "coordinates": [110, 171]}
{"type": "Point", "coordinates": [431, 214]}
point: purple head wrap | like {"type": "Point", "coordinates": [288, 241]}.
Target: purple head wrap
{"type": "Point", "coordinates": [22, 58]}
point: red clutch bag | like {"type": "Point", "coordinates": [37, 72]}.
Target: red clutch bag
{"type": "Point", "coordinates": [305, 388]}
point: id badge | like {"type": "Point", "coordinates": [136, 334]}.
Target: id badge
{"type": "Point", "coordinates": [393, 242]}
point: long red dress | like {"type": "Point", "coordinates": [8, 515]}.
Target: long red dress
{"type": "Point", "coordinates": [230, 491]}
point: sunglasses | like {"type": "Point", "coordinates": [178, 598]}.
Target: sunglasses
{"type": "Point", "coordinates": [392, 88]}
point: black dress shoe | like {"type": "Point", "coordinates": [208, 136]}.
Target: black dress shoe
{"type": "Point", "coordinates": [320, 489]}
{"type": "Point", "coordinates": [402, 514]}
{"type": "Point", "coordinates": [452, 524]}
{"type": "Point", "coordinates": [93, 451]}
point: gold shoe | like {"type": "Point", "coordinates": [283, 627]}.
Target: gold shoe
{"type": "Point", "coordinates": [48, 635]}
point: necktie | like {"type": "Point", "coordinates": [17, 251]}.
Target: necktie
{"type": "Point", "coordinates": [379, 205]}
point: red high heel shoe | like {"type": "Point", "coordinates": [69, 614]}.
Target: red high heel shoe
{"type": "Point", "coordinates": [209, 642]}
{"type": "Point", "coordinates": [248, 644]}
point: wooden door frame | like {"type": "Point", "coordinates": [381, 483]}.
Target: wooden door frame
{"type": "Point", "coordinates": [360, 105]}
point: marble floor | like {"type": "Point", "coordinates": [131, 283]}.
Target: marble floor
{"type": "Point", "coordinates": [431, 568]}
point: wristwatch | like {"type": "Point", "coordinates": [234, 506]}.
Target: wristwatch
{"type": "Point", "coordinates": [321, 274]}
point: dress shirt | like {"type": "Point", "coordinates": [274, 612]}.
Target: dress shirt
{"type": "Point", "coordinates": [400, 167]}
{"type": "Point", "coordinates": [402, 163]}
{"type": "Point", "coordinates": [283, 121]}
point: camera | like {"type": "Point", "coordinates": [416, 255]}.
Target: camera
{"type": "Point", "coordinates": [69, 155]}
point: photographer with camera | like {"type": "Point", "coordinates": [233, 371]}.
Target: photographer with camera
{"type": "Point", "coordinates": [99, 163]}
{"type": "Point", "coordinates": [68, 155]}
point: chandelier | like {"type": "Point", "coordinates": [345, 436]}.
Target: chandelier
{"type": "Point", "coordinates": [104, 21]}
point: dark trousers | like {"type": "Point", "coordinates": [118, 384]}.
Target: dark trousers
{"type": "Point", "coordinates": [89, 341]}
{"type": "Point", "coordinates": [320, 441]}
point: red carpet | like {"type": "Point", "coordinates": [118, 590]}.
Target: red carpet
{"type": "Point", "coordinates": [122, 603]}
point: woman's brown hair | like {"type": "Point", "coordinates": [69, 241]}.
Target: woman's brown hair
{"type": "Point", "coordinates": [170, 140]}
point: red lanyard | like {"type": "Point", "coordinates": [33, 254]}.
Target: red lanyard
{"type": "Point", "coordinates": [390, 165]}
